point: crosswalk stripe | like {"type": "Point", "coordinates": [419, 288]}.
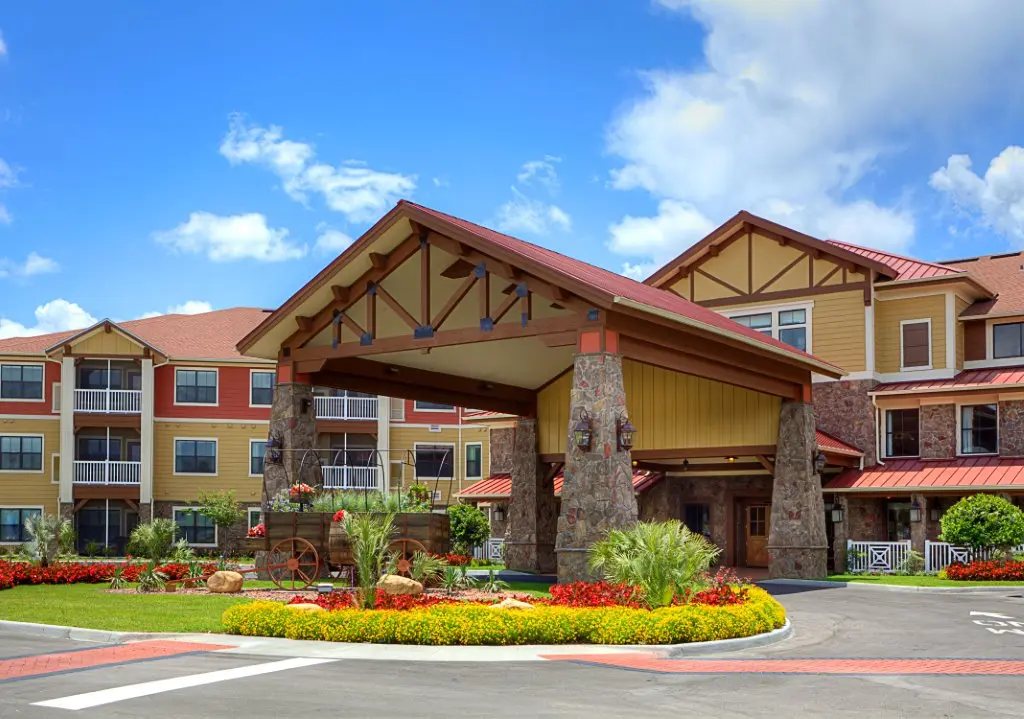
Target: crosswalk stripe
{"type": "Point", "coordinates": [133, 691]}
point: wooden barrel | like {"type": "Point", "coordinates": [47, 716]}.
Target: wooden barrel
{"type": "Point", "coordinates": [340, 550]}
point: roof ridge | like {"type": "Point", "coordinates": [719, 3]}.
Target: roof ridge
{"type": "Point", "coordinates": [845, 244]}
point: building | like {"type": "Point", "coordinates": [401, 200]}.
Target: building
{"type": "Point", "coordinates": [123, 422]}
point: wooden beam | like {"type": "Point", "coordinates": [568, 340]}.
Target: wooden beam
{"type": "Point", "coordinates": [504, 307]}
{"type": "Point", "coordinates": [766, 463]}
{"type": "Point", "coordinates": [397, 308]}
{"type": "Point", "coordinates": [749, 467]}
{"type": "Point", "coordinates": [701, 452]}
{"type": "Point", "coordinates": [561, 339]}
{"type": "Point", "coordinates": [485, 296]}
{"type": "Point", "coordinates": [789, 294]}
{"type": "Point", "coordinates": [340, 293]}
{"type": "Point", "coordinates": [453, 302]}
{"type": "Point", "coordinates": [378, 261]}
{"type": "Point", "coordinates": [457, 270]}
{"type": "Point", "coordinates": [424, 281]}
{"type": "Point", "coordinates": [304, 323]}
{"type": "Point", "coordinates": [781, 272]}
{"type": "Point", "coordinates": [371, 313]}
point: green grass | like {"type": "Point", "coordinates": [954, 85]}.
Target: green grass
{"type": "Point", "coordinates": [915, 581]}
{"type": "Point", "coordinates": [90, 606]}
{"type": "Point", "coordinates": [537, 589]}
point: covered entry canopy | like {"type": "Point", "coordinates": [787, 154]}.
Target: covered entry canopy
{"type": "Point", "coordinates": [431, 307]}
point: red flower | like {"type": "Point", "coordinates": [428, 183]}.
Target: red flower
{"type": "Point", "coordinates": [258, 531]}
{"type": "Point", "coordinates": [339, 516]}
{"type": "Point", "coordinates": [986, 570]}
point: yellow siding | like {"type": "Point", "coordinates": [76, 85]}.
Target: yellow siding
{"type": "Point", "coordinates": [405, 439]}
{"type": "Point", "coordinates": [107, 343]}
{"type": "Point", "coordinates": [232, 460]}
{"type": "Point", "coordinates": [889, 314]}
{"type": "Point", "coordinates": [707, 289]}
{"type": "Point", "coordinates": [731, 265]}
{"type": "Point", "coordinates": [672, 410]}
{"type": "Point", "coordinates": [770, 258]}
{"type": "Point", "coordinates": [32, 489]}
{"type": "Point", "coordinates": [961, 305]}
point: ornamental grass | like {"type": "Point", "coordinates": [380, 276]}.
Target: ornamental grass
{"type": "Point", "coordinates": [475, 624]}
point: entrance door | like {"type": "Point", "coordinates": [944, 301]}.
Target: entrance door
{"type": "Point", "coordinates": [758, 518]}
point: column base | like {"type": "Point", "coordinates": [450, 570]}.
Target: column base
{"type": "Point", "coordinates": [797, 562]}
{"type": "Point", "coordinates": [529, 557]}
{"type": "Point", "coordinates": [573, 566]}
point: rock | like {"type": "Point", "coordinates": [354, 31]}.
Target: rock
{"type": "Point", "coordinates": [224, 582]}
{"type": "Point", "coordinates": [396, 584]}
{"type": "Point", "coordinates": [304, 607]}
{"type": "Point", "coordinates": [511, 603]}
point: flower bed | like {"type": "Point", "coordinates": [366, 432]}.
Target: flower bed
{"type": "Point", "coordinates": [475, 624]}
{"type": "Point", "coordinates": [13, 574]}
{"type": "Point", "coordinates": [986, 570]}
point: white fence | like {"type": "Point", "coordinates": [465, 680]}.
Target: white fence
{"type": "Point", "coordinates": [102, 472]}
{"type": "Point", "coordinates": [493, 550]}
{"type": "Point", "coordinates": [339, 477]}
{"type": "Point", "coordinates": [346, 407]}
{"type": "Point", "coordinates": [111, 401]}
{"type": "Point", "coordinates": [883, 557]}
{"type": "Point", "coordinates": [939, 555]}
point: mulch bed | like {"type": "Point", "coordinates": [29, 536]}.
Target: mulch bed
{"type": "Point", "coordinates": [284, 595]}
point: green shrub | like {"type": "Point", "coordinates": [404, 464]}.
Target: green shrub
{"type": "Point", "coordinates": [45, 533]}
{"type": "Point", "coordinates": [475, 624]}
{"type": "Point", "coordinates": [427, 569]}
{"type": "Point", "coordinates": [182, 552]}
{"type": "Point", "coordinates": [456, 578]}
{"type": "Point", "coordinates": [370, 537]}
{"type": "Point", "coordinates": [152, 540]}
{"type": "Point", "coordinates": [983, 521]}
{"type": "Point", "coordinates": [469, 528]}
{"type": "Point", "coordinates": [492, 584]}
{"type": "Point", "coordinates": [222, 509]}
{"type": "Point", "coordinates": [662, 558]}
{"type": "Point", "coordinates": [151, 580]}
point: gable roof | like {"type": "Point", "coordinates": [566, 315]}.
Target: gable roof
{"type": "Point", "coordinates": [1004, 274]}
{"type": "Point", "coordinates": [206, 336]}
{"type": "Point", "coordinates": [904, 268]}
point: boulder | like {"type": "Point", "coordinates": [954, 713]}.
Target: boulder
{"type": "Point", "coordinates": [224, 582]}
{"type": "Point", "coordinates": [304, 607]}
{"type": "Point", "coordinates": [511, 603]}
{"type": "Point", "coordinates": [396, 584]}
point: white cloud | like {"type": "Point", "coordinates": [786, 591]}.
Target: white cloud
{"type": "Point", "coordinates": [8, 175]}
{"type": "Point", "coordinates": [234, 237]}
{"type": "Point", "coordinates": [995, 200]}
{"type": "Point", "coordinates": [331, 241]}
{"type": "Point", "coordinates": [677, 225]}
{"type": "Point", "coordinates": [353, 189]}
{"type": "Point", "coordinates": [54, 316]}
{"type": "Point", "coordinates": [542, 172]}
{"type": "Point", "coordinates": [440, 182]}
{"type": "Point", "coordinates": [795, 103]}
{"type": "Point", "coordinates": [34, 264]}
{"type": "Point", "coordinates": [5, 215]}
{"type": "Point", "coordinates": [3, 45]}
{"type": "Point", "coordinates": [189, 307]}
{"type": "Point", "coordinates": [524, 214]}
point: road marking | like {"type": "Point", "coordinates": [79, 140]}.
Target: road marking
{"type": "Point", "coordinates": [990, 614]}
{"type": "Point", "coordinates": [996, 625]}
{"type": "Point", "coordinates": [852, 667]}
{"type": "Point", "coordinates": [133, 691]}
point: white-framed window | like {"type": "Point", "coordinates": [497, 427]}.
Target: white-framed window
{"type": "Point", "coordinates": [195, 455]}
{"type": "Point", "coordinates": [261, 388]}
{"type": "Point", "coordinates": [1008, 340]}
{"type": "Point", "coordinates": [436, 496]}
{"type": "Point", "coordinates": [979, 428]}
{"type": "Point", "coordinates": [12, 523]}
{"type": "Point", "coordinates": [55, 408]}
{"type": "Point", "coordinates": [255, 516]}
{"type": "Point", "coordinates": [197, 529]}
{"type": "Point", "coordinates": [434, 461]}
{"type": "Point", "coordinates": [902, 433]}
{"type": "Point", "coordinates": [397, 409]}
{"type": "Point", "coordinates": [916, 344]}
{"type": "Point", "coordinates": [474, 460]}
{"type": "Point", "coordinates": [195, 385]}
{"type": "Point", "coordinates": [432, 407]}
{"type": "Point", "coordinates": [790, 323]}
{"type": "Point", "coordinates": [21, 382]}
{"type": "Point", "coordinates": [257, 456]}
{"type": "Point", "coordinates": [55, 468]}
{"type": "Point", "coordinates": [21, 453]}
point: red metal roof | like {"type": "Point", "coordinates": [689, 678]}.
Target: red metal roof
{"type": "Point", "coordinates": [967, 379]}
{"type": "Point", "coordinates": [972, 473]}
{"type": "Point", "coordinates": [828, 443]}
{"type": "Point", "coordinates": [499, 485]}
{"type": "Point", "coordinates": [906, 268]}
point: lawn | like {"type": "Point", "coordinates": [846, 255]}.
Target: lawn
{"type": "Point", "coordinates": [915, 581]}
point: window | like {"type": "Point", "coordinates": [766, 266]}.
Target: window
{"type": "Point", "coordinates": [255, 516]}
{"type": "Point", "coordinates": [1008, 340]}
{"type": "Point", "coordinates": [397, 409]}
{"type": "Point", "coordinates": [897, 524]}
{"type": "Point", "coordinates": [916, 344]}
{"type": "Point", "coordinates": [433, 407]}
{"type": "Point", "coordinates": [257, 454]}
{"type": "Point", "coordinates": [94, 449]}
{"type": "Point", "coordinates": [901, 433]}
{"type": "Point", "coordinates": [696, 517]}
{"type": "Point", "coordinates": [979, 429]}
{"type": "Point", "coordinates": [96, 378]}
{"type": "Point", "coordinates": [194, 527]}
{"type": "Point", "coordinates": [195, 456]}
{"type": "Point", "coordinates": [134, 450]}
{"type": "Point", "coordinates": [21, 454]}
{"type": "Point", "coordinates": [12, 523]}
{"type": "Point", "coordinates": [434, 460]}
{"type": "Point", "coordinates": [21, 381]}
{"type": "Point", "coordinates": [474, 460]}
{"type": "Point", "coordinates": [758, 520]}
{"type": "Point", "coordinates": [261, 388]}
{"type": "Point", "coordinates": [786, 325]}
{"type": "Point", "coordinates": [193, 386]}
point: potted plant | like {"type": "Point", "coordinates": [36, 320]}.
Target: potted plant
{"type": "Point", "coordinates": [301, 493]}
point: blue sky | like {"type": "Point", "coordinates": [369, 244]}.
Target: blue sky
{"type": "Point", "coordinates": [221, 154]}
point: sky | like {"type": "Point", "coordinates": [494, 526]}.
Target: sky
{"type": "Point", "coordinates": [220, 154]}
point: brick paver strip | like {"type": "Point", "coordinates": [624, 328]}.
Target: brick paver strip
{"type": "Point", "coordinates": [22, 667]}
{"type": "Point", "coordinates": [650, 662]}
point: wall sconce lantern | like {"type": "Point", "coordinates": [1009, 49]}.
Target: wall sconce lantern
{"type": "Point", "coordinates": [583, 432]}
{"type": "Point", "coordinates": [915, 512]}
{"type": "Point", "coordinates": [499, 514]}
{"type": "Point", "coordinates": [837, 513]}
{"type": "Point", "coordinates": [730, 459]}
{"type": "Point", "coordinates": [272, 451]}
{"type": "Point", "coordinates": [626, 433]}
{"type": "Point", "coordinates": [819, 463]}
{"type": "Point", "coordinates": [935, 514]}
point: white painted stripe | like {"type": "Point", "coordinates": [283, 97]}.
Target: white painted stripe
{"type": "Point", "coordinates": [133, 691]}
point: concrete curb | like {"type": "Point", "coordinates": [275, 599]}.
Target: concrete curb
{"type": "Point", "coordinates": [823, 584]}
{"type": "Point", "coordinates": [675, 651]}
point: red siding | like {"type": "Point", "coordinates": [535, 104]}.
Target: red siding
{"type": "Point", "coordinates": [414, 417]}
{"type": "Point", "coordinates": [51, 375]}
{"type": "Point", "coordinates": [232, 396]}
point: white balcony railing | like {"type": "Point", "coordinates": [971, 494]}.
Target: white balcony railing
{"type": "Point", "coordinates": [346, 408]}
{"type": "Point", "coordinates": [111, 401]}
{"type": "Point", "coordinates": [107, 472]}
{"type": "Point", "coordinates": [339, 477]}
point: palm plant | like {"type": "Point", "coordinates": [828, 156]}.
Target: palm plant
{"type": "Point", "coordinates": [45, 532]}
{"type": "Point", "coordinates": [150, 580]}
{"type": "Point", "coordinates": [455, 578]}
{"type": "Point", "coordinates": [117, 580]}
{"type": "Point", "coordinates": [426, 568]}
{"type": "Point", "coordinates": [370, 538]}
{"type": "Point", "coordinates": [182, 552]}
{"type": "Point", "coordinates": [153, 539]}
{"type": "Point", "coordinates": [492, 584]}
{"type": "Point", "coordinates": [662, 558]}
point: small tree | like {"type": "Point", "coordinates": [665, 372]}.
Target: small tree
{"type": "Point", "coordinates": [983, 521]}
{"type": "Point", "coordinates": [46, 532]}
{"type": "Point", "coordinates": [153, 539]}
{"type": "Point", "coordinates": [469, 527]}
{"type": "Point", "coordinates": [222, 509]}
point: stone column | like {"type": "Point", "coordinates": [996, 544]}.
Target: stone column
{"type": "Point", "coordinates": [938, 431]}
{"type": "Point", "coordinates": [919, 530]}
{"type": "Point", "coordinates": [530, 534]}
{"type": "Point", "coordinates": [293, 423]}
{"type": "Point", "coordinates": [1011, 428]}
{"type": "Point", "coordinates": [597, 494]}
{"type": "Point", "coordinates": [797, 547]}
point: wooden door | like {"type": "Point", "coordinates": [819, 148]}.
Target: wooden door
{"type": "Point", "coordinates": [757, 521]}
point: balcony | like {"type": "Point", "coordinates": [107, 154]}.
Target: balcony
{"type": "Point", "coordinates": [108, 401]}
{"type": "Point", "coordinates": [107, 472]}
{"type": "Point", "coordinates": [341, 477]}
{"type": "Point", "coordinates": [363, 408]}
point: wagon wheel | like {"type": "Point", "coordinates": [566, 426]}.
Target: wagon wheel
{"type": "Point", "coordinates": [405, 548]}
{"type": "Point", "coordinates": [293, 564]}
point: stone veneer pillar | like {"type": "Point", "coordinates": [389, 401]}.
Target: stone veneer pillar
{"type": "Point", "coordinates": [529, 543]}
{"type": "Point", "coordinates": [797, 547]}
{"type": "Point", "coordinates": [919, 531]}
{"type": "Point", "coordinates": [597, 494]}
{"type": "Point", "coordinates": [938, 431]}
{"type": "Point", "coordinates": [1011, 428]}
{"type": "Point", "coordinates": [293, 422]}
